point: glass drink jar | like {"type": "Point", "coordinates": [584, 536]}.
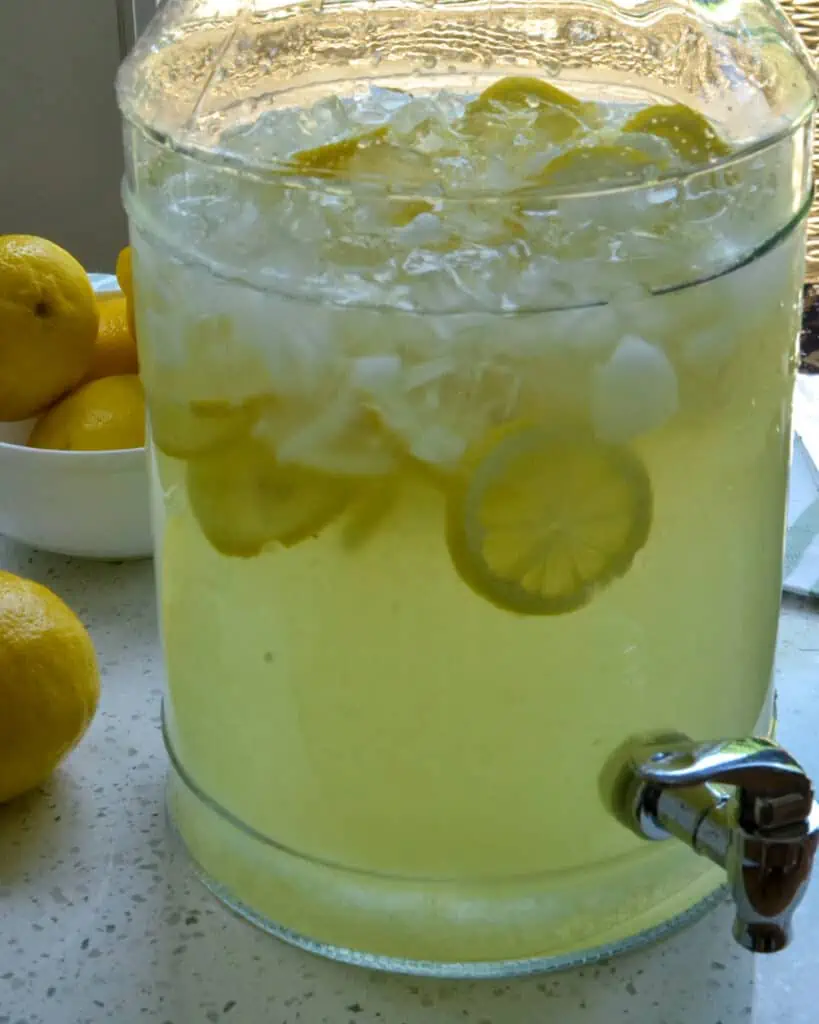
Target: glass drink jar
{"type": "Point", "coordinates": [468, 337]}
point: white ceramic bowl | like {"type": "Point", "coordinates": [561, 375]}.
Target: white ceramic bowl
{"type": "Point", "coordinates": [86, 504]}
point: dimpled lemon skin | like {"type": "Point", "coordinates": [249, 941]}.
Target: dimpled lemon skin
{"type": "Point", "coordinates": [48, 324]}
{"type": "Point", "coordinates": [103, 415]}
{"type": "Point", "coordinates": [49, 683]}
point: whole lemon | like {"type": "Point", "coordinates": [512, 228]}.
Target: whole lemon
{"type": "Point", "coordinates": [125, 277]}
{"type": "Point", "coordinates": [115, 351]}
{"type": "Point", "coordinates": [49, 683]}
{"type": "Point", "coordinates": [48, 324]}
{"type": "Point", "coordinates": [103, 415]}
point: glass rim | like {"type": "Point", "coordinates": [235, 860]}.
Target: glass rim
{"type": "Point", "coordinates": [227, 274]}
{"type": "Point", "coordinates": [288, 174]}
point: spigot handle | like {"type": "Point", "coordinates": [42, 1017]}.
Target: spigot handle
{"type": "Point", "coordinates": [764, 833]}
{"type": "Point", "coordinates": [774, 789]}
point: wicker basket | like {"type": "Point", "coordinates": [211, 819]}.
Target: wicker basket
{"type": "Point", "coordinates": [805, 16]}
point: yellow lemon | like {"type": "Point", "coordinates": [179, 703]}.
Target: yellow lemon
{"type": "Point", "coordinates": [689, 134]}
{"type": "Point", "coordinates": [49, 683]}
{"type": "Point", "coordinates": [102, 415]}
{"type": "Point", "coordinates": [125, 277]}
{"type": "Point", "coordinates": [48, 324]}
{"type": "Point", "coordinates": [115, 351]}
{"type": "Point", "coordinates": [540, 520]}
{"type": "Point", "coordinates": [244, 499]}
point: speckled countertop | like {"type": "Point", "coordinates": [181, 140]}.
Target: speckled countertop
{"type": "Point", "coordinates": [100, 920]}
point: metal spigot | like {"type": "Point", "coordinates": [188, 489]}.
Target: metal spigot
{"type": "Point", "coordinates": [764, 832]}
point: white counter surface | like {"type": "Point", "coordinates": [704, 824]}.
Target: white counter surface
{"type": "Point", "coordinates": [100, 920]}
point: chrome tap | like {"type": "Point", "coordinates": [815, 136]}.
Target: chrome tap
{"type": "Point", "coordinates": [763, 832]}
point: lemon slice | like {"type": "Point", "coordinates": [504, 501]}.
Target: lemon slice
{"type": "Point", "coordinates": [523, 90]}
{"type": "Point", "coordinates": [185, 429]}
{"type": "Point", "coordinates": [591, 165]}
{"type": "Point", "coordinates": [544, 520]}
{"type": "Point", "coordinates": [688, 133]}
{"type": "Point", "coordinates": [244, 499]}
{"type": "Point", "coordinates": [559, 116]}
{"type": "Point", "coordinates": [372, 155]}
{"type": "Point", "coordinates": [336, 156]}
{"type": "Point", "coordinates": [368, 154]}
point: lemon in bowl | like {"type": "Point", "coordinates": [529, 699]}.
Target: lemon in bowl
{"type": "Point", "coordinates": [73, 470]}
{"type": "Point", "coordinates": [107, 414]}
{"type": "Point", "coordinates": [49, 319]}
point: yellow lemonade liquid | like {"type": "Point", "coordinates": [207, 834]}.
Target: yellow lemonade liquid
{"type": "Point", "coordinates": [425, 563]}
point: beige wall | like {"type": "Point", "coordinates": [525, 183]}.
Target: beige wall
{"type": "Point", "coordinates": [60, 149]}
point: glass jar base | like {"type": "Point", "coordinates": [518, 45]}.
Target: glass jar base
{"type": "Point", "coordinates": [454, 971]}
{"type": "Point", "coordinates": [215, 846]}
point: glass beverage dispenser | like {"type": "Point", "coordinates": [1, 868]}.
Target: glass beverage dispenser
{"type": "Point", "coordinates": [468, 335]}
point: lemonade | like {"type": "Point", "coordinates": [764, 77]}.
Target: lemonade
{"type": "Point", "coordinates": [460, 482]}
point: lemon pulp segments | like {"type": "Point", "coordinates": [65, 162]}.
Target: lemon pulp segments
{"type": "Point", "coordinates": [545, 519]}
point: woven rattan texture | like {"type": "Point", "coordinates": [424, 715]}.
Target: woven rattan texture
{"type": "Point", "coordinates": [805, 16]}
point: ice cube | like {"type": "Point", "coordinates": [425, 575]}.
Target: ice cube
{"type": "Point", "coordinates": [373, 374]}
{"type": "Point", "coordinates": [708, 350]}
{"type": "Point", "coordinates": [634, 392]}
{"type": "Point", "coordinates": [423, 229]}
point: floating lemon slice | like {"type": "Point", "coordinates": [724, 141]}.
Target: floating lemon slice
{"type": "Point", "coordinates": [244, 499]}
{"type": "Point", "coordinates": [523, 90]}
{"type": "Point", "coordinates": [372, 155]}
{"type": "Point", "coordinates": [186, 429]}
{"type": "Point", "coordinates": [336, 156]}
{"type": "Point", "coordinates": [559, 116]}
{"type": "Point", "coordinates": [688, 133]}
{"type": "Point", "coordinates": [543, 520]}
{"type": "Point", "coordinates": [368, 154]}
{"type": "Point", "coordinates": [591, 165]}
